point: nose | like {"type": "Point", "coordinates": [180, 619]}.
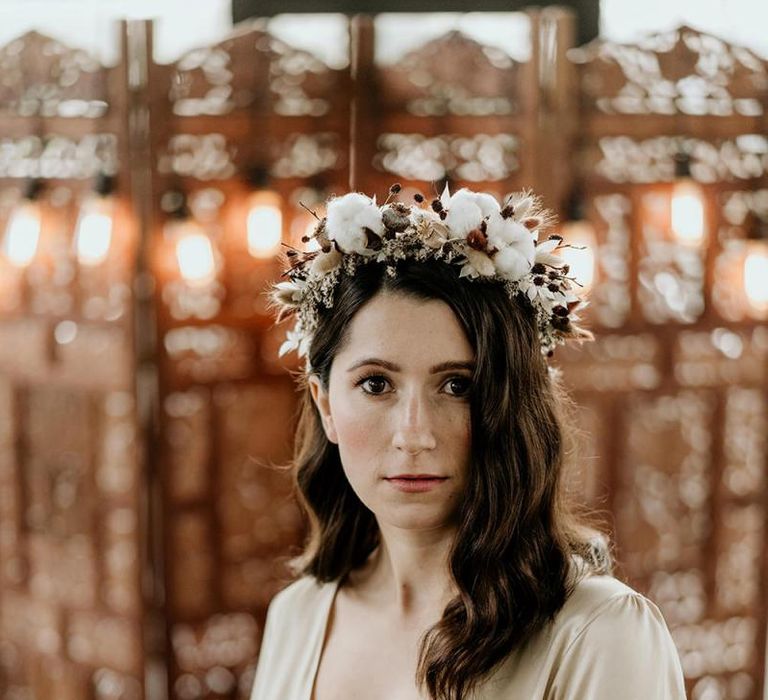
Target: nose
{"type": "Point", "coordinates": [413, 430]}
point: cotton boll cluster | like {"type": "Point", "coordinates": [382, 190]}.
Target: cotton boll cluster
{"type": "Point", "coordinates": [510, 243]}
{"type": "Point", "coordinates": [464, 214]}
{"type": "Point", "coordinates": [347, 219]}
{"type": "Point", "coordinates": [512, 262]}
{"type": "Point", "coordinates": [516, 246]}
{"type": "Point", "coordinates": [485, 238]}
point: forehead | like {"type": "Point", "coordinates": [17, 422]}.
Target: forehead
{"type": "Point", "coordinates": [400, 328]}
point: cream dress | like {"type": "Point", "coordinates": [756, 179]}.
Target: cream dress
{"type": "Point", "coordinates": [608, 642]}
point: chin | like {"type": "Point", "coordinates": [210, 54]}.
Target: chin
{"type": "Point", "coordinates": [413, 517]}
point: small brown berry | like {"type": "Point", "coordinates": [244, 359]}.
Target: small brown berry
{"type": "Point", "coordinates": [419, 197]}
{"type": "Point", "coordinates": [437, 205]}
{"type": "Point", "coordinates": [395, 188]}
{"type": "Point", "coordinates": [538, 281]}
{"type": "Point", "coordinates": [538, 269]}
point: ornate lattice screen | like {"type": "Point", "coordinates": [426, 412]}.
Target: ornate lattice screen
{"type": "Point", "coordinates": [673, 394]}
{"type": "Point", "coordinates": [142, 530]}
{"type": "Point", "coordinates": [71, 481]}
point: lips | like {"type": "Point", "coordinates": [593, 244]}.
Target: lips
{"type": "Point", "coordinates": [416, 483]}
{"type": "Point", "coordinates": [416, 476]}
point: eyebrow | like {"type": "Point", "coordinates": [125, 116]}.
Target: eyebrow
{"type": "Point", "coordinates": [442, 367]}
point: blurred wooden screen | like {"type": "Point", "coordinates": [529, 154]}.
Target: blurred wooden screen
{"type": "Point", "coordinates": [143, 530]}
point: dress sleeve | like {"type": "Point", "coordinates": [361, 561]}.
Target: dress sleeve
{"type": "Point", "coordinates": [623, 651]}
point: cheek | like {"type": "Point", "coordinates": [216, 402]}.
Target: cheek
{"type": "Point", "coordinates": [357, 426]}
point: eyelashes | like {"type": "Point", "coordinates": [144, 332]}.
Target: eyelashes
{"type": "Point", "coordinates": [381, 378]}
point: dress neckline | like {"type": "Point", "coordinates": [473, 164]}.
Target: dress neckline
{"type": "Point", "coordinates": [333, 589]}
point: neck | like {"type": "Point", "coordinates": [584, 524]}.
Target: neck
{"type": "Point", "coordinates": [409, 571]}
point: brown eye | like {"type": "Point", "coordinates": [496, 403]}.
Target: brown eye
{"type": "Point", "coordinates": [464, 385]}
{"type": "Point", "coordinates": [375, 382]}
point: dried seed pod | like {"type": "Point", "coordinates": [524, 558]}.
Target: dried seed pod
{"type": "Point", "coordinates": [477, 239]}
{"type": "Point", "coordinates": [507, 211]}
{"type": "Point", "coordinates": [394, 189]}
{"type": "Point", "coordinates": [532, 223]}
{"type": "Point", "coordinates": [560, 311]}
{"type": "Point", "coordinates": [538, 269]}
{"type": "Point", "coordinates": [395, 219]}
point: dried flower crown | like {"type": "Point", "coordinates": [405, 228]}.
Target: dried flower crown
{"type": "Point", "coordinates": [470, 229]}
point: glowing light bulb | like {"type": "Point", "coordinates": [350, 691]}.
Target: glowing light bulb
{"type": "Point", "coordinates": [581, 258]}
{"type": "Point", "coordinates": [264, 224]}
{"type": "Point", "coordinates": [687, 215]}
{"type": "Point", "coordinates": [22, 234]}
{"type": "Point", "coordinates": [756, 277]}
{"type": "Point", "coordinates": [93, 233]}
{"type": "Point", "coordinates": [195, 252]}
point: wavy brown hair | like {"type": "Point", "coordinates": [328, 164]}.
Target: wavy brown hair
{"type": "Point", "coordinates": [518, 537]}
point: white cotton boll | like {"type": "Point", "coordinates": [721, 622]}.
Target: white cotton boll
{"type": "Point", "coordinates": [346, 218]}
{"type": "Point", "coordinates": [507, 231]}
{"type": "Point", "coordinates": [487, 203]}
{"type": "Point", "coordinates": [463, 213]}
{"type": "Point", "coordinates": [514, 262]}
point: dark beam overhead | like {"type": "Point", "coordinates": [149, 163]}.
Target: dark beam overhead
{"type": "Point", "coordinates": [588, 11]}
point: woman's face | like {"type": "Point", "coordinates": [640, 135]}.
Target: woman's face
{"type": "Point", "coordinates": [398, 403]}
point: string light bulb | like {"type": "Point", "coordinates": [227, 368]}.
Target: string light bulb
{"type": "Point", "coordinates": [686, 205]}
{"type": "Point", "coordinates": [580, 233]}
{"type": "Point", "coordinates": [196, 255]}
{"type": "Point", "coordinates": [756, 269]}
{"type": "Point", "coordinates": [22, 232]}
{"type": "Point", "coordinates": [264, 221]}
{"type": "Point", "coordinates": [93, 231]}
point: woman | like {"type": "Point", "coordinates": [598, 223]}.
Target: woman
{"type": "Point", "coordinates": [443, 561]}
